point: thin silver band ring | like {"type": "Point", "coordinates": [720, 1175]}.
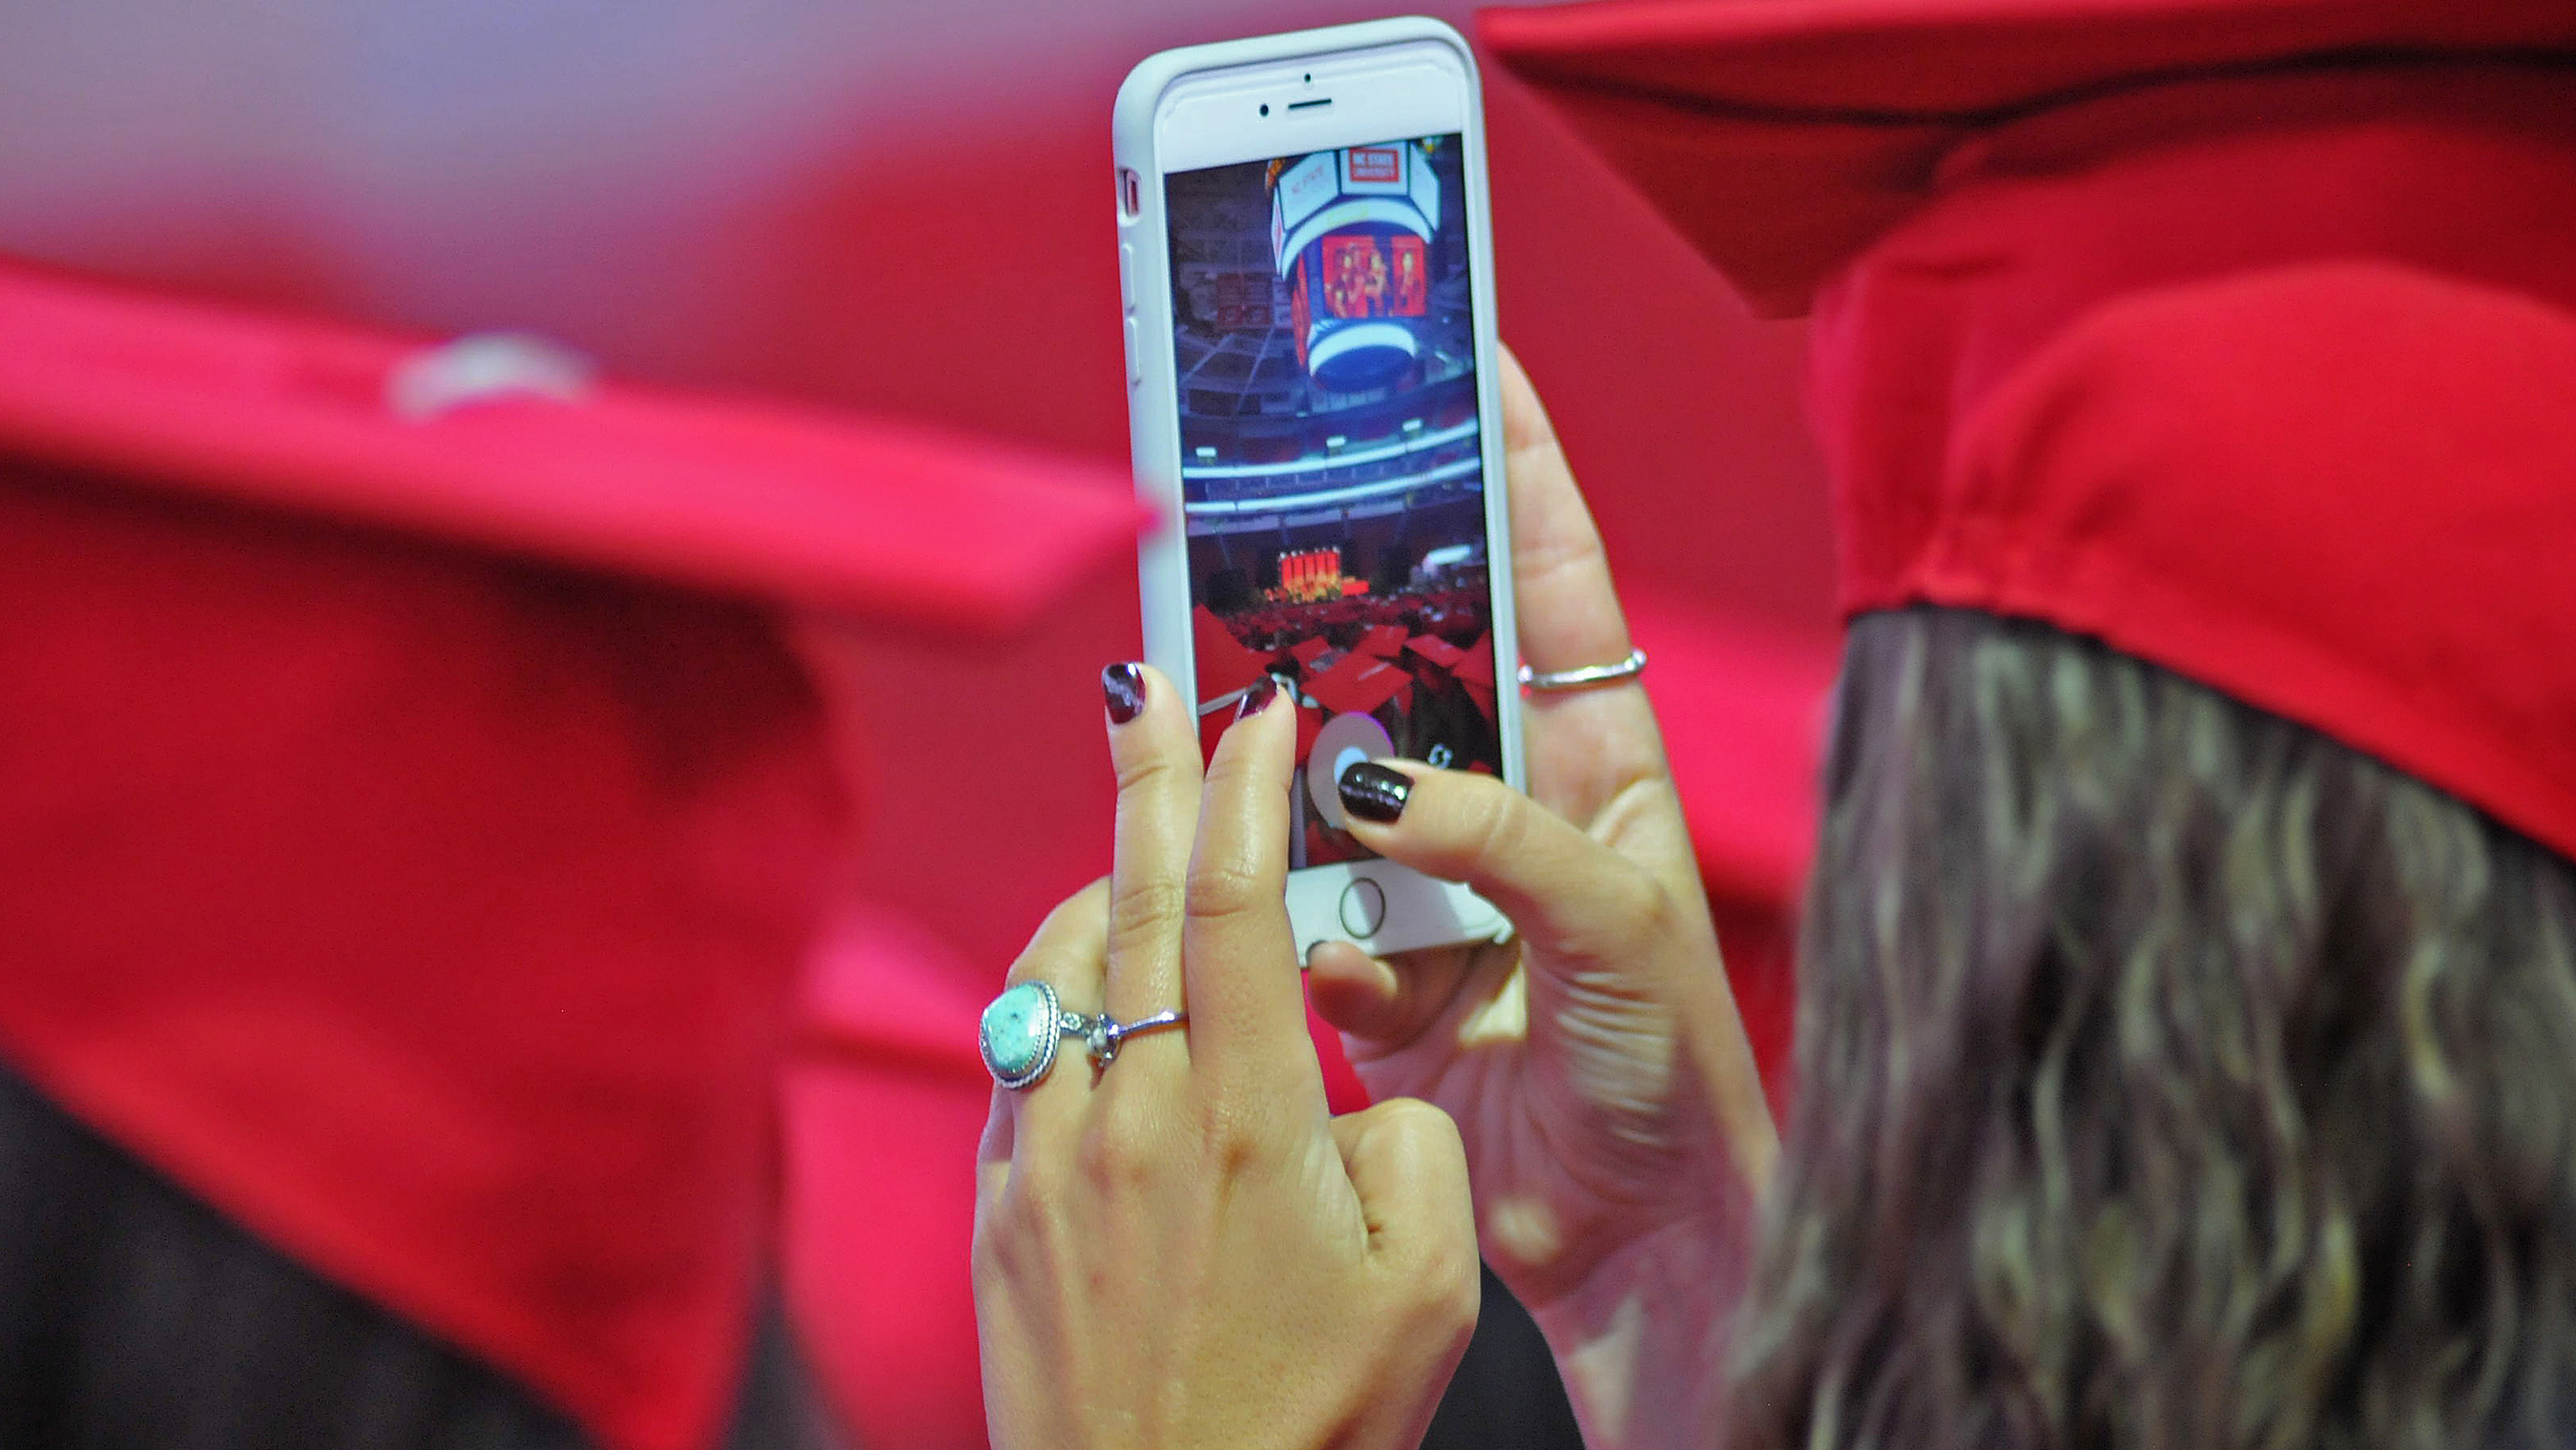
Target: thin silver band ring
{"type": "Point", "coordinates": [1544, 681]}
{"type": "Point", "coordinates": [1102, 1036]}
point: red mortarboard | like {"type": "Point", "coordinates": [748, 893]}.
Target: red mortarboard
{"type": "Point", "coordinates": [1360, 683]}
{"type": "Point", "coordinates": [839, 513]}
{"type": "Point", "coordinates": [1224, 665]}
{"type": "Point", "coordinates": [1476, 666]}
{"type": "Point", "coordinates": [2239, 335]}
{"type": "Point", "coordinates": [430, 910]}
{"type": "Point", "coordinates": [1435, 649]}
{"type": "Point", "coordinates": [1780, 138]}
{"type": "Point", "coordinates": [1475, 670]}
{"type": "Point", "coordinates": [1384, 641]}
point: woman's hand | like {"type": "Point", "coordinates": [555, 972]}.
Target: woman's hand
{"type": "Point", "coordinates": [1615, 1126]}
{"type": "Point", "coordinates": [1182, 1249]}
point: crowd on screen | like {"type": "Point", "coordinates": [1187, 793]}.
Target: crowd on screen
{"type": "Point", "coordinates": [1455, 612]}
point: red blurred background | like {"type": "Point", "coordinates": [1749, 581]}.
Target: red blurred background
{"type": "Point", "coordinates": [906, 208]}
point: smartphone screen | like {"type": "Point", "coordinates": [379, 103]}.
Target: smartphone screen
{"type": "Point", "coordinates": [1332, 470]}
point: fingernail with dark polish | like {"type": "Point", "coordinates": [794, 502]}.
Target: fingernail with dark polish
{"type": "Point", "coordinates": [1124, 686]}
{"type": "Point", "coordinates": [1256, 697]}
{"type": "Point", "coordinates": [1374, 792]}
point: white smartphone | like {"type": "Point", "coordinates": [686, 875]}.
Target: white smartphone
{"type": "Point", "coordinates": [1307, 273]}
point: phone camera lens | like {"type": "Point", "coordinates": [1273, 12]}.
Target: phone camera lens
{"type": "Point", "coordinates": [1310, 78]}
{"type": "Point", "coordinates": [1265, 110]}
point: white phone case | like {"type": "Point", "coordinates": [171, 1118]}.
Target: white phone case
{"type": "Point", "coordinates": [1380, 905]}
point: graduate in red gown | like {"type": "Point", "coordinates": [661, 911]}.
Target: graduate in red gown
{"type": "Point", "coordinates": [415, 810]}
{"type": "Point", "coordinates": [2189, 968]}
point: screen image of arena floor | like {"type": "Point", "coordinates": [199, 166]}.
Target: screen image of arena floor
{"type": "Point", "coordinates": [1331, 469]}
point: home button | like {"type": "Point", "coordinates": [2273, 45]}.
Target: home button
{"type": "Point", "coordinates": [1363, 907]}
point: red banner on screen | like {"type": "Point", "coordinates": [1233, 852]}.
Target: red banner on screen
{"type": "Point", "coordinates": [1376, 163]}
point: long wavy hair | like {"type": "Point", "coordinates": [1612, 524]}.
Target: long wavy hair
{"type": "Point", "coordinates": [2171, 1076]}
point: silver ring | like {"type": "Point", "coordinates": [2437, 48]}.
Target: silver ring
{"type": "Point", "coordinates": [1586, 677]}
{"type": "Point", "coordinates": [1021, 1028]}
{"type": "Point", "coordinates": [1104, 1035]}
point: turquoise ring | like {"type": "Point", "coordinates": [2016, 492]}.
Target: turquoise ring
{"type": "Point", "coordinates": [1023, 1025]}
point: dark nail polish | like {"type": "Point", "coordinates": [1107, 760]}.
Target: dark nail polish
{"type": "Point", "coordinates": [1256, 697]}
{"type": "Point", "coordinates": [1124, 686]}
{"type": "Point", "coordinates": [1374, 792]}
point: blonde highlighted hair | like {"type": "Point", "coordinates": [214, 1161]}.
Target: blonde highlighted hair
{"type": "Point", "coordinates": [2172, 1077]}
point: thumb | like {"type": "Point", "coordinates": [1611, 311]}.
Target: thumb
{"type": "Point", "coordinates": [1408, 1167]}
{"type": "Point", "coordinates": [1569, 896]}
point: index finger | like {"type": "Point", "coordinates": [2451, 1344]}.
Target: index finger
{"type": "Point", "coordinates": [1155, 751]}
{"type": "Point", "coordinates": [1569, 613]}
{"type": "Point", "coordinates": [1247, 999]}
{"type": "Point", "coordinates": [1568, 616]}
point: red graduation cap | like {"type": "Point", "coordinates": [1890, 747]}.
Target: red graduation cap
{"type": "Point", "coordinates": [1385, 641]}
{"type": "Point", "coordinates": [1359, 684]}
{"type": "Point", "coordinates": [791, 504]}
{"type": "Point", "coordinates": [1307, 651]}
{"type": "Point", "coordinates": [419, 820]}
{"type": "Point", "coordinates": [1781, 139]}
{"type": "Point", "coordinates": [1476, 665]}
{"type": "Point", "coordinates": [2240, 334]}
{"type": "Point", "coordinates": [1474, 672]}
{"type": "Point", "coordinates": [1224, 665]}
{"type": "Point", "coordinates": [1439, 651]}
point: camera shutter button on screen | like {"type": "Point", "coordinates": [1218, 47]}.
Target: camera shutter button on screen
{"type": "Point", "coordinates": [1345, 741]}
